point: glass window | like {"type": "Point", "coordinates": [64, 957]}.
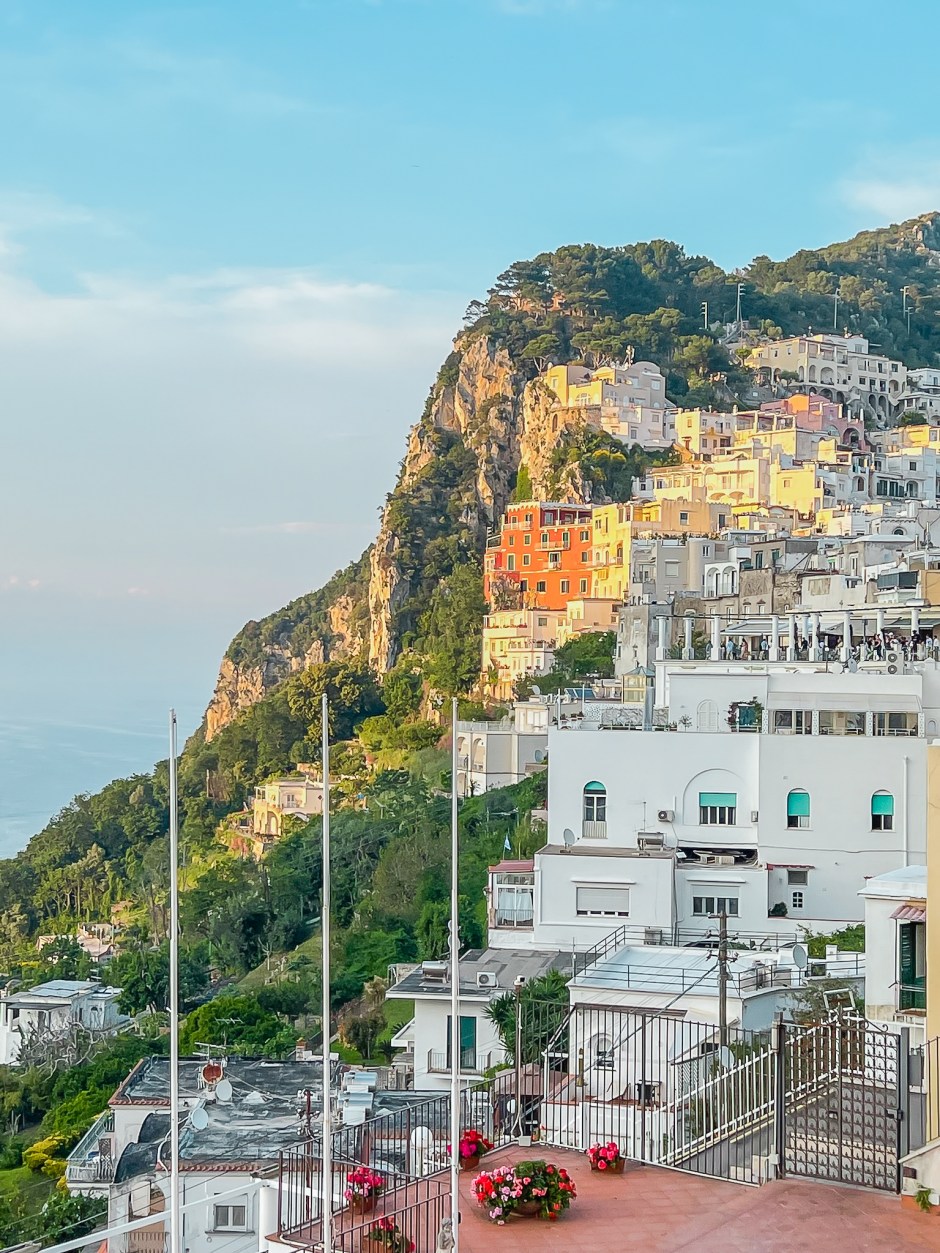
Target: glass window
{"type": "Point", "coordinates": [526, 559]}
{"type": "Point", "coordinates": [603, 902]}
{"type": "Point", "coordinates": [230, 1217]}
{"type": "Point", "coordinates": [882, 811]}
{"type": "Point", "coordinates": [797, 878]}
{"type": "Point", "coordinates": [565, 585]}
{"type": "Point", "coordinates": [583, 586]}
{"type": "Point", "coordinates": [798, 808]}
{"type": "Point", "coordinates": [540, 585]}
{"type": "Point", "coordinates": [796, 899]}
{"type": "Point", "coordinates": [717, 809]}
{"type": "Point", "coordinates": [705, 905]}
{"type": "Point", "coordinates": [595, 802]}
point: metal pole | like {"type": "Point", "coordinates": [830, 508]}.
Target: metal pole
{"type": "Point", "coordinates": [454, 990]}
{"type": "Point", "coordinates": [723, 979]}
{"type": "Point", "coordinates": [517, 1059]}
{"type": "Point", "coordinates": [175, 1217]}
{"type": "Point", "coordinates": [326, 1149]}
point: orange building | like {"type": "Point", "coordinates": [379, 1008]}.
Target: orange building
{"type": "Point", "coordinates": [545, 550]}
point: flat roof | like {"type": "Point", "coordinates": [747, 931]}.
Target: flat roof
{"type": "Point", "coordinates": [903, 882]}
{"type": "Point", "coordinates": [505, 963]}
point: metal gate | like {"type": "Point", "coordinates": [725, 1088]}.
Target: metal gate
{"type": "Point", "coordinates": [845, 1099]}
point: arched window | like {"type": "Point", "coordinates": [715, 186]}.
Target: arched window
{"type": "Point", "coordinates": [707, 716]}
{"type": "Point", "coordinates": [882, 811]}
{"type": "Point", "coordinates": [595, 803]}
{"type": "Point", "coordinates": [798, 808]}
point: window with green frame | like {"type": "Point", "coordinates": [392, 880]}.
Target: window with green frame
{"type": "Point", "coordinates": [798, 808]}
{"type": "Point", "coordinates": [717, 809]}
{"type": "Point", "coordinates": [882, 811]}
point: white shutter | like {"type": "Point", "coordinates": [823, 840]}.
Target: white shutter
{"type": "Point", "coordinates": [603, 902]}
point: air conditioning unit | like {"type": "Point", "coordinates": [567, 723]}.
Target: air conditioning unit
{"type": "Point", "coordinates": [665, 815]}
{"type": "Point", "coordinates": [650, 841]}
{"type": "Point", "coordinates": [718, 859]}
{"type": "Point", "coordinates": [487, 979]}
{"type": "Point", "coordinates": [755, 814]}
{"type": "Point", "coordinates": [892, 668]}
{"type": "Point", "coordinates": [892, 658]}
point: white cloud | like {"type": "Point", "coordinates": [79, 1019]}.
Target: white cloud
{"type": "Point", "coordinates": [895, 199]}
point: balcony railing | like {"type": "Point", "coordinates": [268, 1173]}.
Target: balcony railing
{"type": "Point", "coordinates": [471, 1062]}
{"type": "Point", "coordinates": [87, 1163]}
{"type": "Point", "coordinates": [593, 830]}
{"type": "Point", "coordinates": [913, 995]}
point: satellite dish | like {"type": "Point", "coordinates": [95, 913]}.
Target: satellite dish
{"type": "Point", "coordinates": [539, 756]}
{"type": "Point", "coordinates": [199, 1119]}
{"type": "Point", "coordinates": [223, 1090]}
{"type": "Point", "coordinates": [568, 837]}
{"type": "Point", "coordinates": [212, 1072]}
{"type": "Point", "coordinates": [536, 690]}
{"type": "Point", "coordinates": [799, 956]}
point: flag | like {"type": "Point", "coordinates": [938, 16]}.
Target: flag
{"type": "Point", "coordinates": [506, 845]}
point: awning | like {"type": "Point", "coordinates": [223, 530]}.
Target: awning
{"type": "Point", "coordinates": [910, 913]}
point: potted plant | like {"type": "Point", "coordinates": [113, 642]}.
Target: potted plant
{"type": "Point", "coordinates": [386, 1234]}
{"type": "Point", "coordinates": [544, 1189]}
{"type": "Point", "coordinates": [472, 1147]}
{"type": "Point", "coordinates": [363, 1188]}
{"type": "Point", "coordinates": [606, 1157]}
{"type": "Point", "coordinates": [498, 1192]}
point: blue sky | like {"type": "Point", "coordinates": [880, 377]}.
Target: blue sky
{"type": "Point", "coordinates": [236, 239]}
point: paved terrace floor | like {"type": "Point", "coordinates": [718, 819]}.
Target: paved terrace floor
{"type": "Point", "coordinates": [654, 1210]}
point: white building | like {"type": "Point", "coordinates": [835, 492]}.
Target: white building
{"type": "Point", "coordinates": [839, 367]}
{"type": "Point", "coordinates": [292, 796]}
{"type": "Point", "coordinates": [628, 401]}
{"type": "Point", "coordinates": [50, 1011]}
{"type": "Point", "coordinates": [780, 790]}
{"type": "Point", "coordinates": [485, 974]}
{"type": "Point", "coordinates": [896, 948]}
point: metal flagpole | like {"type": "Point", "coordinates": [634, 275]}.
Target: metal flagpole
{"type": "Point", "coordinates": [175, 1222]}
{"type": "Point", "coordinates": [326, 1150]}
{"type": "Point", "coordinates": [454, 993]}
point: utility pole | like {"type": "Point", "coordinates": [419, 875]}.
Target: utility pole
{"type": "Point", "coordinates": [723, 979]}
{"type": "Point", "coordinates": [705, 314]}
{"type": "Point", "coordinates": [904, 291]}
{"type": "Point", "coordinates": [835, 311]}
{"type": "Point", "coordinates": [737, 311]}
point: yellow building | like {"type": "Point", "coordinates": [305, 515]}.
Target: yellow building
{"type": "Point", "coordinates": [613, 530]}
{"type": "Point", "coordinates": [796, 487]}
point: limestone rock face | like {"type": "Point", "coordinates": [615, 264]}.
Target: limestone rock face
{"type": "Point", "coordinates": [504, 421]}
{"type": "Point", "coordinates": [236, 689]}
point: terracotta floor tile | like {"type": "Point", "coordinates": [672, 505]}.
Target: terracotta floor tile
{"type": "Point", "coordinates": [654, 1210]}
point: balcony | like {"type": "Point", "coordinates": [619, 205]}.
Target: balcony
{"type": "Point", "coordinates": [90, 1166]}
{"type": "Point", "coordinates": [471, 1062]}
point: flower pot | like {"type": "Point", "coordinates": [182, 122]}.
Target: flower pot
{"type": "Point", "coordinates": [612, 1168]}
{"type": "Point", "coordinates": [470, 1163]}
{"type": "Point", "coordinates": [363, 1204]}
{"type": "Point", "coordinates": [528, 1209]}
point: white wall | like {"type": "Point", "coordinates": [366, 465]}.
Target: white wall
{"type": "Point", "coordinates": [645, 772]}
{"type": "Point", "coordinates": [558, 876]}
{"type": "Point", "coordinates": [430, 1033]}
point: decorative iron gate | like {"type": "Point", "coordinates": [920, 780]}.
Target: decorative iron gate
{"type": "Point", "coordinates": [843, 1113]}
